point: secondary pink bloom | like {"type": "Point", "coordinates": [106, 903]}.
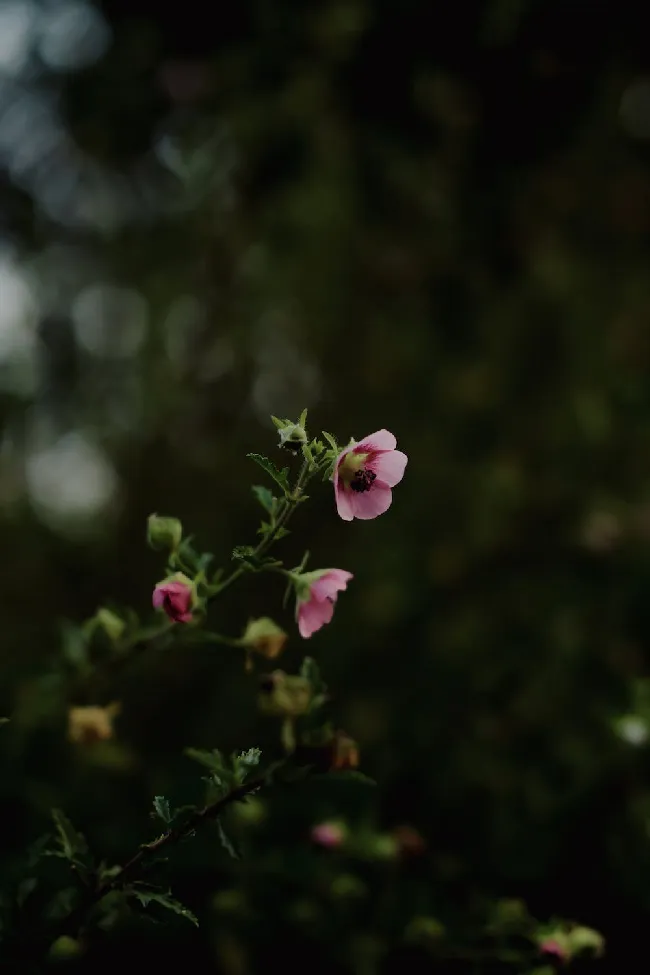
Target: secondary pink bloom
{"type": "Point", "coordinates": [551, 946]}
{"type": "Point", "coordinates": [317, 593]}
{"type": "Point", "coordinates": [329, 835]}
{"type": "Point", "coordinates": [175, 598]}
{"type": "Point", "coordinates": [364, 474]}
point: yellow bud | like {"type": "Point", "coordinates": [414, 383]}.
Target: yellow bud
{"type": "Point", "coordinates": [265, 637]}
{"type": "Point", "coordinates": [92, 723]}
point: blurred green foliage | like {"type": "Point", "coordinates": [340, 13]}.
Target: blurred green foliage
{"type": "Point", "coordinates": [432, 220]}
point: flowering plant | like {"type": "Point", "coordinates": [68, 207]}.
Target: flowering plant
{"type": "Point", "coordinates": [94, 893]}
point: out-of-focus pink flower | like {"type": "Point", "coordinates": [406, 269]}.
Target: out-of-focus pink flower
{"type": "Point", "coordinates": [551, 946]}
{"type": "Point", "coordinates": [329, 835]}
{"type": "Point", "coordinates": [317, 593]}
{"type": "Point", "coordinates": [175, 597]}
{"type": "Point", "coordinates": [364, 474]}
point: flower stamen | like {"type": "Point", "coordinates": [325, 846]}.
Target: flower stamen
{"type": "Point", "coordinates": [362, 480]}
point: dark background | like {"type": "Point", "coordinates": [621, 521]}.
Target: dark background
{"type": "Point", "coordinates": [429, 217]}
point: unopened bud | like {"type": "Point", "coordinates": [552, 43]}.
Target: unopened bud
{"type": "Point", "coordinates": [164, 533]}
{"type": "Point", "coordinates": [264, 637]}
{"type": "Point", "coordinates": [111, 623]}
{"type": "Point", "coordinates": [345, 753]}
{"type": "Point", "coordinates": [293, 437]}
{"type": "Point", "coordinates": [284, 695]}
{"type": "Point", "coordinates": [583, 939]}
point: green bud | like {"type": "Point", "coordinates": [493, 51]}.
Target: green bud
{"type": "Point", "coordinates": [293, 437]}
{"type": "Point", "coordinates": [164, 533]}
{"type": "Point", "coordinates": [111, 623]}
{"type": "Point", "coordinates": [66, 947]}
{"type": "Point", "coordinates": [585, 939]}
{"type": "Point", "coordinates": [424, 930]}
{"type": "Point", "coordinates": [284, 695]}
{"type": "Point", "coordinates": [264, 636]}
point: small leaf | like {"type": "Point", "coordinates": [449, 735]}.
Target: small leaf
{"type": "Point", "coordinates": [146, 897]}
{"type": "Point", "coordinates": [245, 761]}
{"type": "Point", "coordinates": [309, 670]}
{"type": "Point", "coordinates": [242, 553]}
{"type": "Point", "coordinates": [161, 809]}
{"type": "Point", "coordinates": [281, 477]}
{"type": "Point", "coordinates": [73, 843]}
{"type": "Point", "coordinates": [278, 423]}
{"type": "Point", "coordinates": [302, 422]}
{"type": "Point", "coordinates": [331, 441]}
{"type": "Point", "coordinates": [264, 496]}
{"type": "Point", "coordinates": [225, 842]}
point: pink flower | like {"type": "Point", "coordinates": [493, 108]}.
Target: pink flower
{"type": "Point", "coordinates": [317, 593]}
{"type": "Point", "coordinates": [551, 946]}
{"type": "Point", "coordinates": [329, 835]}
{"type": "Point", "coordinates": [364, 474]}
{"type": "Point", "coordinates": [175, 597]}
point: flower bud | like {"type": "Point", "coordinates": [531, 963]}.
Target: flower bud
{"type": "Point", "coordinates": [164, 533]}
{"type": "Point", "coordinates": [345, 753]}
{"type": "Point", "coordinates": [292, 437]}
{"type": "Point", "coordinates": [87, 725]}
{"type": "Point", "coordinates": [176, 597]}
{"type": "Point", "coordinates": [264, 637]}
{"type": "Point", "coordinates": [330, 835]}
{"type": "Point", "coordinates": [111, 623]}
{"type": "Point", "coordinates": [284, 695]}
{"type": "Point", "coordinates": [583, 939]}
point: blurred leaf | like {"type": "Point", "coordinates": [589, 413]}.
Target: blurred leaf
{"type": "Point", "coordinates": [147, 897]}
{"type": "Point", "coordinates": [161, 808]}
{"type": "Point", "coordinates": [264, 496]}
{"type": "Point", "coordinates": [226, 842]}
{"type": "Point", "coordinates": [310, 671]}
{"type": "Point", "coordinates": [350, 775]}
{"type": "Point", "coordinates": [73, 843]}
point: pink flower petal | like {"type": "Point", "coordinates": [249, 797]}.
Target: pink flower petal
{"type": "Point", "coordinates": [312, 615]}
{"type": "Point", "coordinates": [344, 504]}
{"type": "Point", "coordinates": [330, 584]}
{"type": "Point", "coordinates": [389, 467]}
{"type": "Point", "coordinates": [158, 597]}
{"type": "Point", "coordinates": [381, 440]}
{"type": "Point", "coordinates": [372, 503]}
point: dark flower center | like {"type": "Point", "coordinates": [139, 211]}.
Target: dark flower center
{"type": "Point", "coordinates": [362, 480]}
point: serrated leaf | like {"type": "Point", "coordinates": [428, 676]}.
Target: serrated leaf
{"type": "Point", "coordinates": [242, 553]}
{"type": "Point", "coordinates": [147, 897]}
{"type": "Point", "coordinates": [245, 761]}
{"type": "Point", "coordinates": [281, 477]}
{"type": "Point", "coordinates": [161, 808]}
{"type": "Point", "coordinates": [225, 842]}
{"type": "Point", "coordinates": [331, 441]}
{"type": "Point", "coordinates": [277, 423]}
{"type": "Point", "coordinates": [264, 496]}
{"type": "Point", "coordinates": [73, 843]}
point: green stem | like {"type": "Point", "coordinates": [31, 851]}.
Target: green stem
{"type": "Point", "coordinates": [287, 506]}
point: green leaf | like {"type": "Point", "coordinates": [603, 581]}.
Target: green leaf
{"type": "Point", "coordinates": [281, 477]}
{"type": "Point", "coordinates": [147, 897]}
{"type": "Point", "coordinates": [225, 842]}
{"type": "Point", "coordinates": [302, 422]}
{"type": "Point", "coordinates": [279, 423]}
{"type": "Point", "coordinates": [309, 670]}
{"type": "Point", "coordinates": [161, 809]}
{"type": "Point", "coordinates": [242, 553]}
{"type": "Point", "coordinates": [211, 760]}
{"type": "Point", "coordinates": [331, 441]}
{"type": "Point", "coordinates": [264, 496]}
{"type": "Point", "coordinates": [73, 843]}
{"type": "Point", "coordinates": [245, 761]}
{"type": "Point", "coordinates": [75, 645]}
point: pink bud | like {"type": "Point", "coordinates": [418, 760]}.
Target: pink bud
{"type": "Point", "coordinates": [175, 598]}
{"type": "Point", "coordinates": [551, 946]}
{"type": "Point", "coordinates": [329, 835]}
